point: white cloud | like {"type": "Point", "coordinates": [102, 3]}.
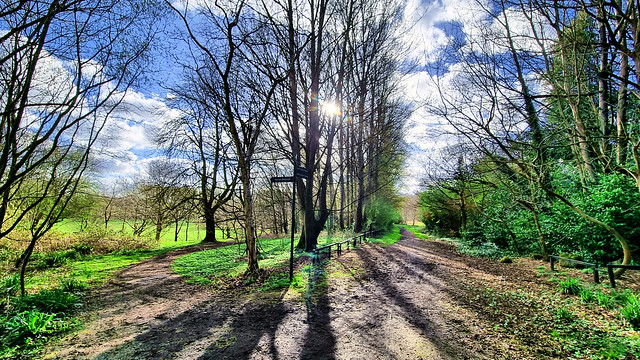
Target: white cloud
{"type": "Point", "coordinates": [127, 141]}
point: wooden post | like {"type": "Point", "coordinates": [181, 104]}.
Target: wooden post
{"type": "Point", "coordinates": [596, 275]}
{"type": "Point", "coordinates": [612, 279]}
{"type": "Point", "coordinates": [552, 259]}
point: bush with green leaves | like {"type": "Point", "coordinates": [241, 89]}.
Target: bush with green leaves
{"type": "Point", "coordinates": [381, 214]}
{"type": "Point", "coordinates": [27, 320]}
{"type": "Point", "coordinates": [613, 200]}
{"type": "Point", "coordinates": [631, 311]}
{"type": "Point", "coordinates": [53, 301]}
{"type": "Point", "coordinates": [514, 232]}
{"type": "Point", "coordinates": [587, 296]}
{"type": "Point", "coordinates": [27, 326]}
{"type": "Point", "coordinates": [504, 216]}
{"type": "Point", "coordinates": [439, 213]}
{"type": "Point", "coordinates": [570, 286]}
{"type": "Point", "coordinates": [605, 300]}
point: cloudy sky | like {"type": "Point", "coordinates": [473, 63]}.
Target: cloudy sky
{"type": "Point", "coordinates": [127, 145]}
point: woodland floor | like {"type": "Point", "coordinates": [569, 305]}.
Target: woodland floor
{"type": "Point", "coordinates": [415, 299]}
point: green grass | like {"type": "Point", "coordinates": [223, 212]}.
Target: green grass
{"type": "Point", "coordinates": [195, 234]}
{"type": "Point", "coordinates": [417, 230]}
{"type": "Point", "coordinates": [390, 237]}
{"type": "Point", "coordinates": [570, 286]}
{"type": "Point", "coordinates": [204, 266]}
{"type": "Point", "coordinates": [50, 269]}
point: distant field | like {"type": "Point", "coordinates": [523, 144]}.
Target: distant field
{"type": "Point", "coordinates": [195, 234]}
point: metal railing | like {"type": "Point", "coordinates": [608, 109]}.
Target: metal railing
{"type": "Point", "coordinates": [354, 241]}
{"type": "Point", "coordinates": [610, 267]}
{"type": "Point", "coordinates": [596, 271]}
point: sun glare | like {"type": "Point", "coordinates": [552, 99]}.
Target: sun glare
{"type": "Point", "coordinates": [330, 108]}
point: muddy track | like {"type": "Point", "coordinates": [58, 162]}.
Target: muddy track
{"type": "Point", "coordinates": [412, 300]}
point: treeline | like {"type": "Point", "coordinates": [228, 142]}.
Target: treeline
{"type": "Point", "coordinates": [264, 87]}
{"type": "Point", "coordinates": [542, 118]}
{"type": "Point", "coordinates": [272, 86]}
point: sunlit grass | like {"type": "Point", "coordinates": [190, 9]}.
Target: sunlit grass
{"type": "Point", "coordinates": [389, 238]}
{"type": "Point", "coordinates": [195, 233]}
{"type": "Point", "coordinates": [98, 268]}
{"type": "Point", "coordinates": [203, 266]}
{"type": "Point", "coordinates": [417, 230]}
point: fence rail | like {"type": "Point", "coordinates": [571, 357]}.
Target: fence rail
{"type": "Point", "coordinates": [349, 242]}
{"type": "Point", "coordinates": [610, 267]}
{"type": "Point", "coordinates": [596, 270]}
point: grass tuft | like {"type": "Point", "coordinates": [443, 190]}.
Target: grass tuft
{"type": "Point", "coordinates": [571, 286]}
{"type": "Point", "coordinates": [631, 311]}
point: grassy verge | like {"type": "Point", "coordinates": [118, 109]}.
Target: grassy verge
{"type": "Point", "coordinates": [55, 284]}
{"type": "Point", "coordinates": [417, 230]}
{"type": "Point", "coordinates": [216, 265]}
{"type": "Point", "coordinates": [390, 237]}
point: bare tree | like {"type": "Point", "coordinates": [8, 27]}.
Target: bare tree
{"type": "Point", "coordinates": [63, 68]}
{"type": "Point", "coordinates": [232, 50]}
{"type": "Point", "coordinates": [200, 137]}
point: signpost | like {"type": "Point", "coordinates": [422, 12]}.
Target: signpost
{"type": "Point", "coordinates": [298, 172]}
{"type": "Point", "coordinates": [282, 179]}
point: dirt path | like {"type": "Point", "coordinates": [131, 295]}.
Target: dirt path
{"type": "Point", "coordinates": [411, 300]}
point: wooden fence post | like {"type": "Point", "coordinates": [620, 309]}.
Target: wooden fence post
{"type": "Point", "coordinates": [612, 279]}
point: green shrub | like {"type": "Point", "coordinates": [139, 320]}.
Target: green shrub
{"type": "Point", "coordinates": [613, 200]}
{"type": "Point", "coordinates": [605, 300]}
{"type": "Point", "coordinates": [621, 297]}
{"type": "Point", "coordinates": [51, 260]}
{"type": "Point", "coordinates": [54, 301]}
{"type": "Point", "coordinates": [381, 214]}
{"type": "Point", "coordinates": [487, 249]}
{"type": "Point", "coordinates": [631, 311]}
{"type": "Point", "coordinates": [564, 314]}
{"type": "Point", "coordinates": [9, 285]}
{"type": "Point", "coordinates": [26, 326]}
{"type": "Point", "coordinates": [82, 248]}
{"type": "Point", "coordinates": [587, 296]}
{"type": "Point", "coordinates": [71, 285]}
{"type": "Point", "coordinates": [571, 286]}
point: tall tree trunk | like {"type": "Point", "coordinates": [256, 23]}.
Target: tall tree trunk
{"type": "Point", "coordinates": [250, 229]}
{"type": "Point", "coordinates": [209, 227]}
{"type": "Point", "coordinates": [603, 89]}
{"type": "Point", "coordinates": [621, 116]}
{"type": "Point", "coordinates": [360, 197]}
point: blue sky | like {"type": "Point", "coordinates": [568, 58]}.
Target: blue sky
{"type": "Point", "coordinates": [127, 145]}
